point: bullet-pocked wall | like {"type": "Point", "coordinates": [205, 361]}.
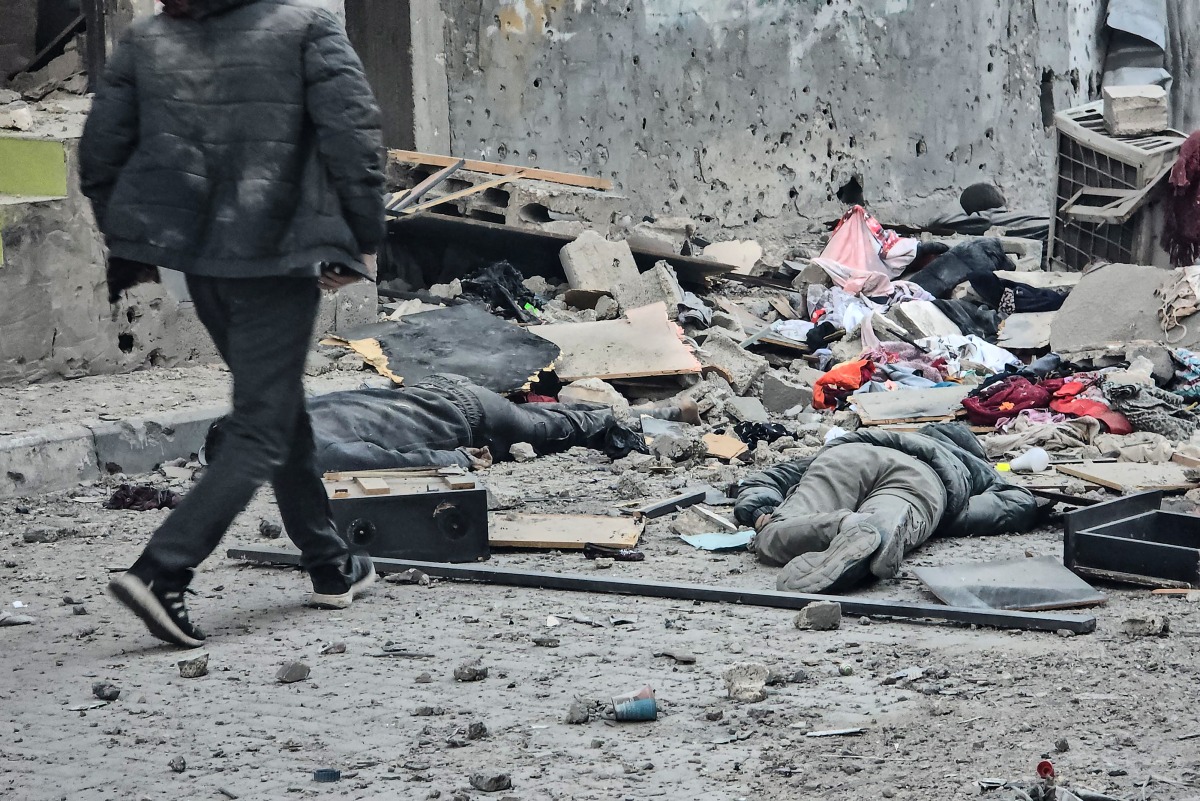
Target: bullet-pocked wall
{"type": "Point", "coordinates": [771, 114]}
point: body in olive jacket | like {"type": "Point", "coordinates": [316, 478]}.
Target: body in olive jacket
{"type": "Point", "coordinates": [205, 156]}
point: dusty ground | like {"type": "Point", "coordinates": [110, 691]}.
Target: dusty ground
{"type": "Point", "coordinates": [991, 705]}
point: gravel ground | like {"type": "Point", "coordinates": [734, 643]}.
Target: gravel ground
{"type": "Point", "coordinates": [1115, 714]}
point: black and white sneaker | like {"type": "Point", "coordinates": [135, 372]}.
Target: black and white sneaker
{"type": "Point", "coordinates": [161, 608]}
{"type": "Point", "coordinates": [334, 589]}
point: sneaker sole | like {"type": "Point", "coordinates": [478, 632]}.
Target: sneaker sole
{"type": "Point", "coordinates": [827, 566]}
{"type": "Point", "coordinates": [137, 598]}
{"type": "Point", "coordinates": [318, 601]}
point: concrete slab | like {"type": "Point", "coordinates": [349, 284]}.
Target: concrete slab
{"type": "Point", "coordinates": [1112, 308]}
{"type": "Point", "coordinates": [46, 460]}
{"type": "Point", "coordinates": [139, 445]}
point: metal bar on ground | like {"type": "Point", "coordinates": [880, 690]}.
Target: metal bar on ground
{"type": "Point", "coordinates": [869, 607]}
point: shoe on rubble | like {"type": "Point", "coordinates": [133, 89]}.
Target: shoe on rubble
{"type": "Point", "coordinates": [160, 605]}
{"type": "Point", "coordinates": [843, 564]}
{"type": "Point", "coordinates": [335, 587]}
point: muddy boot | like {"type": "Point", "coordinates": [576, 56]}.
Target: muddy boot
{"type": "Point", "coordinates": [840, 566]}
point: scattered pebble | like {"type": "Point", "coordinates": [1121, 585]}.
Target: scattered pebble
{"type": "Point", "coordinates": [1061, 745]}
{"type": "Point", "coordinates": [428, 711]}
{"type": "Point", "coordinates": [546, 642]}
{"type": "Point", "coordinates": [1148, 626]}
{"type": "Point", "coordinates": [745, 681]}
{"type": "Point", "coordinates": [177, 764]}
{"type": "Point", "coordinates": [333, 648]}
{"type": "Point", "coordinates": [578, 713]}
{"type": "Point", "coordinates": [193, 668]}
{"type": "Point", "coordinates": [820, 616]}
{"type": "Point", "coordinates": [471, 671]}
{"type": "Point", "coordinates": [106, 690]}
{"type": "Point", "coordinates": [491, 782]}
{"type": "Point", "coordinates": [476, 731]}
{"type": "Point", "coordinates": [424, 678]}
{"type": "Point", "coordinates": [714, 714]}
{"type": "Point", "coordinates": [269, 529]}
{"type": "Point", "coordinates": [292, 672]}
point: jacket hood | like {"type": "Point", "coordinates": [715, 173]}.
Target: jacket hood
{"type": "Point", "coordinates": [199, 9]}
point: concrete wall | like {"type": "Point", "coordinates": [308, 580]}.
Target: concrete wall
{"type": "Point", "coordinates": [755, 113]}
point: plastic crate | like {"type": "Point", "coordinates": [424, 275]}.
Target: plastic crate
{"type": "Point", "coordinates": [1089, 158]}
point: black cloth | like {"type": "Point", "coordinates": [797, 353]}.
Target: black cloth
{"type": "Point", "coordinates": [991, 287]}
{"type": "Point", "coordinates": [959, 264]}
{"type": "Point", "coordinates": [978, 501]}
{"type": "Point", "coordinates": [433, 422]}
{"type": "Point", "coordinates": [262, 328]}
{"type": "Point", "coordinates": [241, 141]}
{"type": "Point", "coordinates": [971, 318]}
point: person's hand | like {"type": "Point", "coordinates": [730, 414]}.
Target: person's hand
{"type": "Point", "coordinates": [335, 277]}
{"type": "Point", "coordinates": [481, 458]}
{"type": "Point", "coordinates": [761, 522]}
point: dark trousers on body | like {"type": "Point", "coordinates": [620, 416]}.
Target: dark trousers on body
{"type": "Point", "coordinates": [548, 427]}
{"type": "Point", "coordinates": [262, 328]}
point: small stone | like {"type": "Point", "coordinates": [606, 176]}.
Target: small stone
{"type": "Point", "coordinates": [1065, 633]}
{"type": "Point", "coordinates": [476, 731]}
{"type": "Point", "coordinates": [714, 714]}
{"type": "Point", "coordinates": [106, 690]}
{"type": "Point", "coordinates": [864, 621]}
{"type": "Point", "coordinates": [177, 764]}
{"type": "Point", "coordinates": [491, 782]}
{"type": "Point", "coordinates": [745, 681]}
{"type": "Point", "coordinates": [428, 712]}
{"type": "Point", "coordinates": [292, 672]}
{"type": "Point", "coordinates": [79, 609]}
{"type": "Point", "coordinates": [522, 452]}
{"type": "Point", "coordinates": [471, 671]}
{"type": "Point", "coordinates": [546, 642]}
{"type": "Point", "coordinates": [680, 657]}
{"type": "Point", "coordinates": [1061, 745]}
{"type": "Point", "coordinates": [269, 529]}
{"type": "Point", "coordinates": [602, 563]}
{"type": "Point", "coordinates": [820, 616]}
{"type": "Point", "coordinates": [193, 668]}
{"type": "Point", "coordinates": [597, 743]}
{"type": "Point", "coordinates": [424, 678]}
{"type": "Point", "coordinates": [845, 669]}
{"type": "Point", "coordinates": [799, 677]}
{"type": "Point", "coordinates": [1147, 626]}
{"type": "Point", "coordinates": [85, 632]}
{"type": "Point", "coordinates": [577, 714]}
{"type": "Point", "coordinates": [333, 648]}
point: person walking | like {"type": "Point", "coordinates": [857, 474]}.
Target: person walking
{"type": "Point", "coordinates": [238, 142]}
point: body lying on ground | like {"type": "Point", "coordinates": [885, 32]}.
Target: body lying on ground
{"type": "Point", "coordinates": [444, 421]}
{"type": "Point", "coordinates": [867, 499]}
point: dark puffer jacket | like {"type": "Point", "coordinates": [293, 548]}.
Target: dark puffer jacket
{"type": "Point", "coordinates": [240, 141]}
{"type": "Point", "coordinates": [978, 501]}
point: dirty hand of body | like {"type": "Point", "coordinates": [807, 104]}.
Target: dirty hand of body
{"type": "Point", "coordinates": [481, 458]}
{"type": "Point", "coordinates": [336, 276]}
{"type": "Point", "coordinates": [762, 522]}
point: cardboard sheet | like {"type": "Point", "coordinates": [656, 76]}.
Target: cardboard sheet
{"type": "Point", "coordinates": [909, 405]}
{"type": "Point", "coordinates": [644, 343]}
{"type": "Point", "coordinates": [1023, 584]}
{"type": "Point", "coordinates": [720, 541]}
{"type": "Point", "coordinates": [506, 530]}
{"type": "Point", "coordinates": [1167, 476]}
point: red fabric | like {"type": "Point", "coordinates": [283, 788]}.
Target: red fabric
{"type": "Point", "coordinates": [1005, 399]}
{"type": "Point", "coordinates": [1181, 230]}
{"type": "Point", "coordinates": [840, 382]}
{"type": "Point", "coordinates": [531, 397]}
{"type": "Point", "coordinates": [1079, 407]}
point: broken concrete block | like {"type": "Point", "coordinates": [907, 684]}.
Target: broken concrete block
{"type": "Point", "coordinates": [921, 318]}
{"type": "Point", "coordinates": [1146, 626]}
{"type": "Point", "coordinates": [659, 285]}
{"type": "Point", "coordinates": [727, 321]}
{"type": "Point", "coordinates": [781, 392]}
{"type": "Point", "coordinates": [592, 390]}
{"type": "Point", "coordinates": [666, 234]}
{"type": "Point", "coordinates": [677, 447]}
{"type": "Point", "coordinates": [738, 366]}
{"type": "Point", "coordinates": [593, 263]}
{"type": "Point", "coordinates": [16, 117]}
{"type": "Point", "coordinates": [538, 286]}
{"type": "Point", "coordinates": [820, 616]}
{"type": "Point", "coordinates": [746, 681]}
{"type": "Point", "coordinates": [747, 410]}
{"type": "Point", "coordinates": [846, 350]}
{"type": "Point", "coordinates": [606, 308]}
{"type": "Point", "coordinates": [522, 452]}
{"type": "Point", "coordinates": [743, 255]}
{"type": "Point", "coordinates": [1135, 110]}
{"type": "Point", "coordinates": [448, 291]}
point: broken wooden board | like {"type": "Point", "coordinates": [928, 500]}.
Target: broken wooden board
{"type": "Point", "coordinates": [493, 168]}
{"type": "Point", "coordinates": [1025, 584]}
{"type": "Point", "coordinates": [462, 340]}
{"type": "Point", "coordinates": [909, 405]}
{"type": "Point", "coordinates": [1122, 476]}
{"type": "Point", "coordinates": [562, 531]}
{"type": "Point", "coordinates": [373, 485]}
{"type": "Point", "coordinates": [723, 446]}
{"type": "Point", "coordinates": [1028, 331]}
{"type": "Point", "coordinates": [643, 343]}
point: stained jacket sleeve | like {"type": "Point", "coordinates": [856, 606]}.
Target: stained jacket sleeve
{"type": "Point", "coordinates": [369, 456]}
{"type": "Point", "coordinates": [110, 134]}
{"type": "Point", "coordinates": [349, 128]}
{"type": "Point", "coordinates": [761, 493]}
{"type": "Point", "coordinates": [1002, 508]}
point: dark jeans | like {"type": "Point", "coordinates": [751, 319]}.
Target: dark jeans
{"type": "Point", "coordinates": [548, 427]}
{"type": "Point", "coordinates": [262, 328]}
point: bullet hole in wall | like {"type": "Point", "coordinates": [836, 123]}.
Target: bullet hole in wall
{"type": "Point", "coordinates": [125, 342]}
{"type": "Point", "coordinates": [851, 193]}
{"type": "Point", "coordinates": [1047, 98]}
{"type": "Point", "coordinates": [922, 148]}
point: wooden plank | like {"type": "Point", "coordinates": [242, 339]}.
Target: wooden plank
{"type": "Point", "coordinates": [373, 486]}
{"type": "Point", "coordinates": [783, 307]}
{"type": "Point", "coordinates": [643, 343]}
{"type": "Point", "coordinates": [492, 168]}
{"type": "Point", "coordinates": [1119, 476]}
{"type": "Point", "coordinates": [562, 531]}
{"type": "Point", "coordinates": [460, 194]}
{"type": "Point", "coordinates": [402, 200]}
{"type": "Point", "coordinates": [909, 405]}
{"type": "Point", "coordinates": [723, 446]}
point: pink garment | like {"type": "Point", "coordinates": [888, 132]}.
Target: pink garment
{"type": "Point", "coordinates": [851, 257]}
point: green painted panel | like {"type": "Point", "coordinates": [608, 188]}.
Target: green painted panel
{"type": "Point", "coordinates": [32, 167]}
